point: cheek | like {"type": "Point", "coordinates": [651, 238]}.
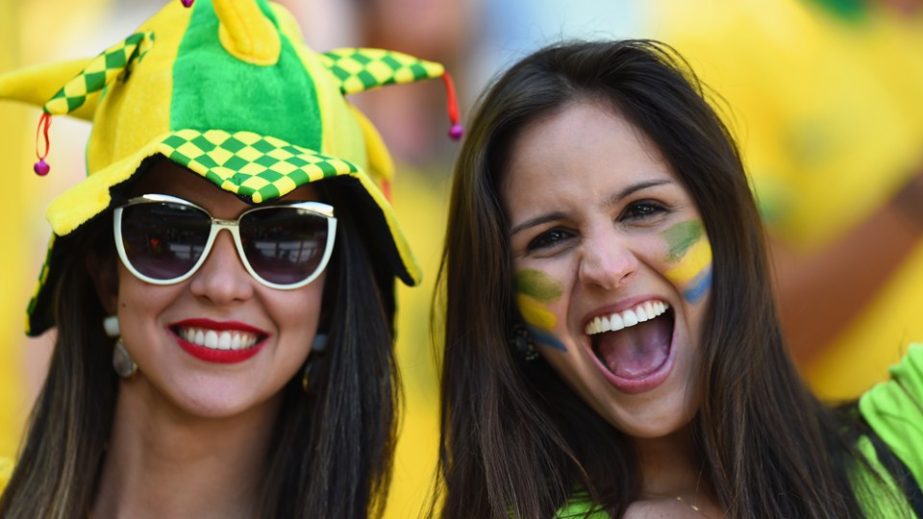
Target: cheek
{"type": "Point", "coordinates": [140, 304]}
{"type": "Point", "coordinates": [296, 313]}
{"type": "Point", "coordinates": [538, 296]}
{"type": "Point", "coordinates": [689, 259]}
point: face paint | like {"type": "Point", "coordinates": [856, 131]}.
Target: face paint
{"type": "Point", "coordinates": [690, 251]}
{"type": "Point", "coordinates": [534, 290]}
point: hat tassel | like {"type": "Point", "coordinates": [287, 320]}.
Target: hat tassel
{"type": "Point", "coordinates": [455, 131]}
{"type": "Point", "coordinates": [41, 167]}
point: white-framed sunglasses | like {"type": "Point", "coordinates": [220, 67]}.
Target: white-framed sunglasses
{"type": "Point", "coordinates": [163, 239]}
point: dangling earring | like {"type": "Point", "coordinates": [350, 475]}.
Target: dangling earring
{"type": "Point", "coordinates": [318, 347]}
{"type": "Point", "coordinates": [122, 362]}
{"type": "Point", "coordinates": [521, 342]}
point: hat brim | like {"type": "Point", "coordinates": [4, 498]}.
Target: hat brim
{"type": "Point", "coordinates": [255, 167]}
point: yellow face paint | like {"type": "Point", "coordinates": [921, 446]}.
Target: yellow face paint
{"type": "Point", "coordinates": [690, 252]}
{"type": "Point", "coordinates": [534, 290]}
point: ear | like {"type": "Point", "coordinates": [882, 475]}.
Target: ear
{"type": "Point", "coordinates": [104, 273]}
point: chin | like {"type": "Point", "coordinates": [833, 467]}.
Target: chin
{"type": "Point", "coordinates": [659, 417]}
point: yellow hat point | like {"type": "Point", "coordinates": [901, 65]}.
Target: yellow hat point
{"type": "Point", "coordinates": [247, 33]}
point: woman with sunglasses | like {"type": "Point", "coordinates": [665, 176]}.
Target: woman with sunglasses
{"type": "Point", "coordinates": [620, 354]}
{"type": "Point", "coordinates": [222, 283]}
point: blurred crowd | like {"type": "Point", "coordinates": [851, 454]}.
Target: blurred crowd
{"type": "Point", "coordinates": [825, 98]}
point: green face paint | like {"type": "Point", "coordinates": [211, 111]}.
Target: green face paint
{"type": "Point", "coordinates": [538, 285]}
{"type": "Point", "coordinates": [690, 254]}
{"type": "Point", "coordinates": [681, 237]}
{"type": "Point", "coordinates": [534, 290]}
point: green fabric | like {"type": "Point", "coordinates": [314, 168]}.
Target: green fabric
{"type": "Point", "coordinates": [580, 507]}
{"type": "Point", "coordinates": [894, 409]}
{"type": "Point", "coordinates": [214, 90]}
{"type": "Point", "coordinates": [107, 66]}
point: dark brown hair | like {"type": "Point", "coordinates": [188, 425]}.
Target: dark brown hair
{"type": "Point", "coordinates": [331, 451]}
{"type": "Point", "coordinates": [516, 441]}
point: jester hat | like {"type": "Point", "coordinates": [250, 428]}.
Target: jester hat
{"type": "Point", "coordinates": [227, 89]}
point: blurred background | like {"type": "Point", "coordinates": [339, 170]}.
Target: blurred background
{"type": "Point", "coordinates": [825, 98]}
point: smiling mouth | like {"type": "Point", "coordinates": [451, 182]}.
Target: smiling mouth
{"type": "Point", "coordinates": [218, 342]}
{"type": "Point", "coordinates": [634, 344]}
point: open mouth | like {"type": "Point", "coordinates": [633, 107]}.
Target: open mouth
{"type": "Point", "coordinates": [217, 340]}
{"type": "Point", "coordinates": [633, 346]}
{"type": "Point", "coordinates": [221, 343]}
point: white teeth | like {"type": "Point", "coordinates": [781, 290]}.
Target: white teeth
{"type": "Point", "coordinates": [224, 340]}
{"type": "Point", "coordinates": [630, 318]}
{"type": "Point", "coordinates": [617, 323]}
{"type": "Point", "coordinates": [627, 318]}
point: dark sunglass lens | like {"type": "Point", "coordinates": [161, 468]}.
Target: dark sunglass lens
{"type": "Point", "coordinates": [284, 245]}
{"type": "Point", "coordinates": [164, 240]}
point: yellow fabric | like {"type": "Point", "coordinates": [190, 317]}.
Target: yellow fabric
{"type": "Point", "coordinates": [13, 262]}
{"type": "Point", "coordinates": [380, 163]}
{"type": "Point", "coordinates": [35, 85]}
{"type": "Point", "coordinates": [829, 117]}
{"type": "Point", "coordinates": [109, 142]}
{"type": "Point", "coordinates": [420, 203]}
{"type": "Point", "coordinates": [254, 42]}
{"type": "Point", "coordinates": [6, 470]}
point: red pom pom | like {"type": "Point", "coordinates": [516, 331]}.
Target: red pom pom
{"type": "Point", "coordinates": [41, 168]}
{"type": "Point", "coordinates": [187, 3]}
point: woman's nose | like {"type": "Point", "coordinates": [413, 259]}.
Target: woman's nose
{"type": "Point", "coordinates": [222, 279]}
{"type": "Point", "coordinates": [606, 261]}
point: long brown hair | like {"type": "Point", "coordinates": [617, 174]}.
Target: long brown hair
{"type": "Point", "coordinates": [516, 441]}
{"type": "Point", "coordinates": [331, 451]}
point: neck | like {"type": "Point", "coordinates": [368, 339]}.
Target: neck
{"type": "Point", "coordinates": [163, 462]}
{"type": "Point", "coordinates": [670, 467]}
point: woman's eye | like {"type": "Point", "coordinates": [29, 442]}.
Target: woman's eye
{"type": "Point", "coordinates": [549, 238]}
{"type": "Point", "coordinates": [642, 210]}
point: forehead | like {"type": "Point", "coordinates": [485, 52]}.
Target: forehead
{"type": "Point", "coordinates": [583, 147]}
{"type": "Point", "coordinates": [166, 177]}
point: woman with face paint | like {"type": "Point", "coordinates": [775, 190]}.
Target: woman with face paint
{"type": "Point", "coordinates": [620, 354]}
{"type": "Point", "coordinates": [198, 372]}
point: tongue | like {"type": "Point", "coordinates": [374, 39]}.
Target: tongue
{"type": "Point", "coordinates": [637, 351]}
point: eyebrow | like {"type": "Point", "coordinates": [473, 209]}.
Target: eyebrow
{"type": "Point", "coordinates": [609, 201]}
{"type": "Point", "coordinates": [634, 188]}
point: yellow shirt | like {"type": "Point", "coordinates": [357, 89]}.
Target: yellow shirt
{"type": "Point", "coordinates": [829, 118]}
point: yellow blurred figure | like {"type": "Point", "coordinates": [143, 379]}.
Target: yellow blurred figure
{"type": "Point", "coordinates": [825, 103]}
{"type": "Point", "coordinates": [24, 27]}
{"type": "Point", "coordinates": [11, 265]}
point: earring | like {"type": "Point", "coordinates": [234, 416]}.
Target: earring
{"type": "Point", "coordinates": [111, 325]}
{"type": "Point", "coordinates": [318, 347]}
{"type": "Point", "coordinates": [319, 344]}
{"type": "Point", "coordinates": [122, 362]}
{"type": "Point", "coordinates": [521, 342]}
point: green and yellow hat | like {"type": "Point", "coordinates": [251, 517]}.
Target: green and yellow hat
{"type": "Point", "coordinates": [228, 89]}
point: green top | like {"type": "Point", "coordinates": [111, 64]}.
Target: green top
{"type": "Point", "coordinates": [894, 410]}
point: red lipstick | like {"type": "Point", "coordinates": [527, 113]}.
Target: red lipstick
{"type": "Point", "coordinates": [218, 355]}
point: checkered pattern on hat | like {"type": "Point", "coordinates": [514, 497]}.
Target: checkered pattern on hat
{"type": "Point", "coordinates": [360, 69]}
{"type": "Point", "coordinates": [104, 68]}
{"type": "Point", "coordinates": [42, 279]}
{"type": "Point", "coordinates": [249, 164]}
